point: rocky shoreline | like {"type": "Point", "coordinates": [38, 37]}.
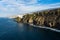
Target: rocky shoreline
{"type": "Point", "coordinates": [48, 18]}
{"type": "Point", "coordinates": [53, 29]}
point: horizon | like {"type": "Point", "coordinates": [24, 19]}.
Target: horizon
{"type": "Point", "coordinates": [21, 7]}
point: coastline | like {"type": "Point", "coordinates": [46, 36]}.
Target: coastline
{"type": "Point", "coordinates": [53, 29]}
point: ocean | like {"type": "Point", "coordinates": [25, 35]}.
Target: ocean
{"type": "Point", "coordinates": [11, 30]}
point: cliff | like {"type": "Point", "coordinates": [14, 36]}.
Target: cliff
{"type": "Point", "coordinates": [49, 18]}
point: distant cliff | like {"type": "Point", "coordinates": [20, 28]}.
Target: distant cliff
{"type": "Point", "coordinates": [50, 18]}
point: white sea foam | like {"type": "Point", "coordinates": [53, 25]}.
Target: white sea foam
{"type": "Point", "coordinates": [56, 30]}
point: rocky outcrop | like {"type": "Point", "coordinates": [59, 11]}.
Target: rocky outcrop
{"type": "Point", "coordinates": [18, 19]}
{"type": "Point", "coordinates": [40, 20]}
{"type": "Point", "coordinates": [51, 21]}
{"type": "Point", "coordinates": [50, 18]}
{"type": "Point", "coordinates": [30, 20]}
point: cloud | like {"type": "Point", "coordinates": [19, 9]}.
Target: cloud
{"type": "Point", "coordinates": [32, 8]}
{"type": "Point", "coordinates": [27, 1]}
{"type": "Point", "coordinates": [15, 7]}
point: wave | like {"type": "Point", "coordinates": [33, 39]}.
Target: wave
{"type": "Point", "coordinates": [53, 29]}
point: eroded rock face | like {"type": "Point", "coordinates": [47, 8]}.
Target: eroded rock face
{"type": "Point", "coordinates": [25, 18]}
{"type": "Point", "coordinates": [40, 20]}
{"type": "Point", "coordinates": [50, 18]}
{"type": "Point", "coordinates": [31, 20]}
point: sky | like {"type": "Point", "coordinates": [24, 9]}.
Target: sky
{"type": "Point", "coordinates": [17, 7]}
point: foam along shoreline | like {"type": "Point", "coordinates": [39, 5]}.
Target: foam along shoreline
{"type": "Point", "coordinates": [56, 30]}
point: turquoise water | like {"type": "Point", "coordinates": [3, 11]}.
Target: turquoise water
{"type": "Point", "coordinates": [10, 30]}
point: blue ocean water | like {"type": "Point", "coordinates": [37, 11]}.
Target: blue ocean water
{"type": "Point", "coordinates": [10, 30]}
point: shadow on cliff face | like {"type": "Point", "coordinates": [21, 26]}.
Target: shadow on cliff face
{"type": "Point", "coordinates": [49, 18]}
{"type": "Point", "coordinates": [58, 26]}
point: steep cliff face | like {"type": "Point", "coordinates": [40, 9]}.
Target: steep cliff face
{"type": "Point", "coordinates": [51, 21]}
{"type": "Point", "coordinates": [30, 20]}
{"type": "Point", "coordinates": [40, 20]}
{"type": "Point", "coordinates": [50, 18]}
